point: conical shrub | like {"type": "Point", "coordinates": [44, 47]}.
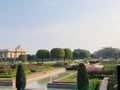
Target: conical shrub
{"type": "Point", "coordinates": [20, 78]}
{"type": "Point", "coordinates": [82, 78]}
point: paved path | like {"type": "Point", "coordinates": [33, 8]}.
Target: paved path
{"type": "Point", "coordinates": [103, 85]}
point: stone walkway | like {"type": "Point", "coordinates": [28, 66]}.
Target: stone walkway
{"type": "Point", "coordinates": [103, 85]}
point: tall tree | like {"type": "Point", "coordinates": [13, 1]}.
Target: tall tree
{"type": "Point", "coordinates": [57, 53]}
{"type": "Point", "coordinates": [84, 54]}
{"type": "Point", "coordinates": [43, 54]}
{"type": "Point", "coordinates": [80, 54]}
{"type": "Point", "coordinates": [68, 54]}
{"type": "Point", "coordinates": [20, 78]}
{"type": "Point", "coordinates": [31, 58]}
{"type": "Point", "coordinates": [82, 77]}
{"type": "Point", "coordinates": [22, 57]}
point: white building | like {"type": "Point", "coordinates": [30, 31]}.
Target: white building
{"type": "Point", "coordinates": [12, 53]}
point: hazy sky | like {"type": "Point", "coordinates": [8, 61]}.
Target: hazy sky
{"type": "Point", "coordinates": [46, 24]}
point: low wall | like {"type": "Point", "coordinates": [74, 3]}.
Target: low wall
{"type": "Point", "coordinates": [6, 82]}
{"type": "Point", "coordinates": [64, 85]}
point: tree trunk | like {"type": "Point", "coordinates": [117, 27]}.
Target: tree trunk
{"type": "Point", "coordinates": [64, 60]}
{"type": "Point", "coordinates": [37, 61]}
{"type": "Point", "coordinates": [57, 60]}
{"type": "Point", "coordinates": [42, 60]}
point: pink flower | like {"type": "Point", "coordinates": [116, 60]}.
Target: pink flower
{"type": "Point", "coordinates": [92, 68]}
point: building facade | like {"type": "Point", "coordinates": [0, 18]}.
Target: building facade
{"type": "Point", "coordinates": [12, 53]}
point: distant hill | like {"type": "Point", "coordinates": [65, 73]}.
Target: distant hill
{"type": "Point", "coordinates": [107, 52]}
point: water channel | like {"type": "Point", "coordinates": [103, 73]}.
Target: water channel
{"type": "Point", "coordinates": [42, 83]}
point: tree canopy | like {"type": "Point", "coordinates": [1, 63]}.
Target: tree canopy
{"type": "Point", "coordinates": [80, 54]}
{"type": "Point", "coordinates": [57, 53]}
{"type": "Point", "coordinates": [107, 52]}
{"type": "Point", "coordinates": [31, 57]}
{"type": "Point", "coordinates": [68, 53]}
{"type": "Point", "coordinates": [43, 54]}
{"type": "Point", "coordinates": [22, 57]}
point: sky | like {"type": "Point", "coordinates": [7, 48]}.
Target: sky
{"type": "Point", "coordinates": [47, 24]}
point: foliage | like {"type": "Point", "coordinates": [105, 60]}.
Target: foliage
{"type": "Point", "coordinates": [82, 77]}
{"type": "Point", "coordinates": [22, 57]}
{"type": "Point", "coordinates": [93, 84]}
{"type": "Point", "coordinates": [112, 81]}
{"type": "Point", "coordinates": [31, 57]}
{"type": "Point", "coordinates": [20, 78]}
{"type": "Point", "coordinates": [68, 53]}
{"type": "Point", "coordinates": [106, 71]}
{"type": "Point", "coordinates": [93, 56]}
{"type": "Point", "coordinates": [13, 66]}
{"type": "Point", "coordinates": [92, 69]}
{"type": "Point", "coordinates": [57, 53]}
{"type": "Point", "coordinates": [5, 76]}
{"type": "Point", "coordinates": [58, 64]}
{"type": "Point", "coordinates": [80, 54]}
{"type": "Point", "coordinates": [43, 54]}
{"type": "Point", "coordinates": [107, 52]}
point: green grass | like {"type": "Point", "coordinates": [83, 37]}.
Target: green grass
{"type": "Point", "coordinates": [69, 78]}
{"type": "Point", "coordinates": [93, 83]}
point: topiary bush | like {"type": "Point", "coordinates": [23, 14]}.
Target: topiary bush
{"type": "Point", "coordinates": [82, 78]}
{"type": "Point", "coordinates": [20, 78]}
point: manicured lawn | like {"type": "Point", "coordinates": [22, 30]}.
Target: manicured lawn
{"type": "Point", "coordinates": [93, 83]}
{"type": "Point", "coordinates": [69, 78]}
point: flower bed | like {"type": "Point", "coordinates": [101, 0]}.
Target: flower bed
{"type": "Point", "coordinates": [8, 72]}
{"type": "Point", "coordinates": [92, 69]}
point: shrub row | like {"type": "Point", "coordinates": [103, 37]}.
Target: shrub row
{"type": "Point", "coordinates": [5, 76]}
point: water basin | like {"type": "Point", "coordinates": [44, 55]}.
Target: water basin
{"type": "Point", "coordinates": [42, 83]}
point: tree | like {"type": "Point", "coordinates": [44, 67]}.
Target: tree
{"type": "Point", "coordinates": [80, 54]}
{"type": "Point", "coordinates": [22, 57]}
{"type": "Point", "coordinates": [68, 54]}
{"type": "Point", "coordinates": [93, 56]}
{"type": "Point", "coordinates": [57, 53]}
{"type": "Point", "coordinates": [84, 54]}
{"type": "Point", "coordinates": [76, 53]}
{"type": "Point", "coordinates": [43, 54]}
{"type": "Point", "coordinates": [11, 60]}
{"type": "Point", "coordinates": [20, 78]}
{"type": "Point", "coordinates": [31, 58]}
{"type": "Point", "coordinates": [82, 78]}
